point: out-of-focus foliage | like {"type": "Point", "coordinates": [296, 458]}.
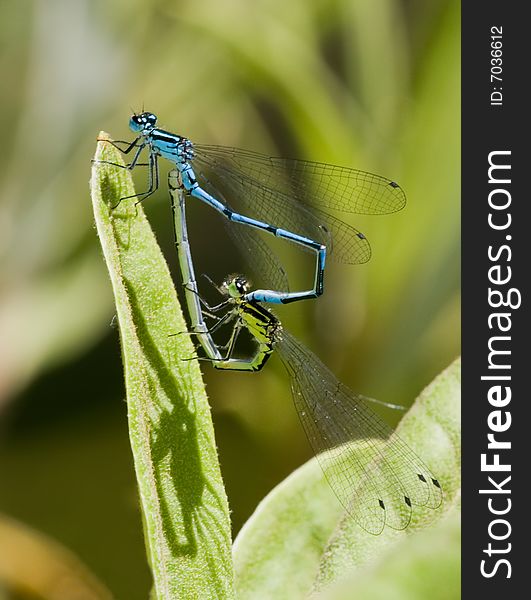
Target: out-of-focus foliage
{"type": "Point", "coordinates": [32, 565]}
{"type": "Point", "coordinates": [368, 83]}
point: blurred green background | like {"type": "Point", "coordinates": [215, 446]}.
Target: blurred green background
{"type": "Point", "coordinates": [374, 84]}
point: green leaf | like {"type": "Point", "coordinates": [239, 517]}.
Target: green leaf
{"type": "Point", "coordinates": [184, 506]}
{"type": "Point", "coordinates": [299, 538]}
{"type": "Point", "coordinates": [420, 566]}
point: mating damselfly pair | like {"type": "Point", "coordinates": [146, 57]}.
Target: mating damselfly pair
{"type": "Point", "coordinates": [375, 475]}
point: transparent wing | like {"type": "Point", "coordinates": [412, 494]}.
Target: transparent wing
{"type": "Point", "coordinates": [312, 183]}
{"type": "Point", "coordinates": [283, 199]}
{"type": "Point", "coordinates": [262, 261]}
{"type": "Point", "coordinates": [375, 474]}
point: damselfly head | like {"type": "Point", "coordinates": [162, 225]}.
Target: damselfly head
{"type": "Point", "coordinates": [236, 286]}
{"type": "Point", "coordinates": [145, 121]}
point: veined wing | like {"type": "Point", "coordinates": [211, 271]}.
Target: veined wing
{"type": "Point", "coordinates": [374, 474]}
{"type": "Point", "coordinates": [314, 184]}
{"type": "Point", "coordinates": [262, 261]}
{"type": "Point", "coordinates": [280, 206]}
